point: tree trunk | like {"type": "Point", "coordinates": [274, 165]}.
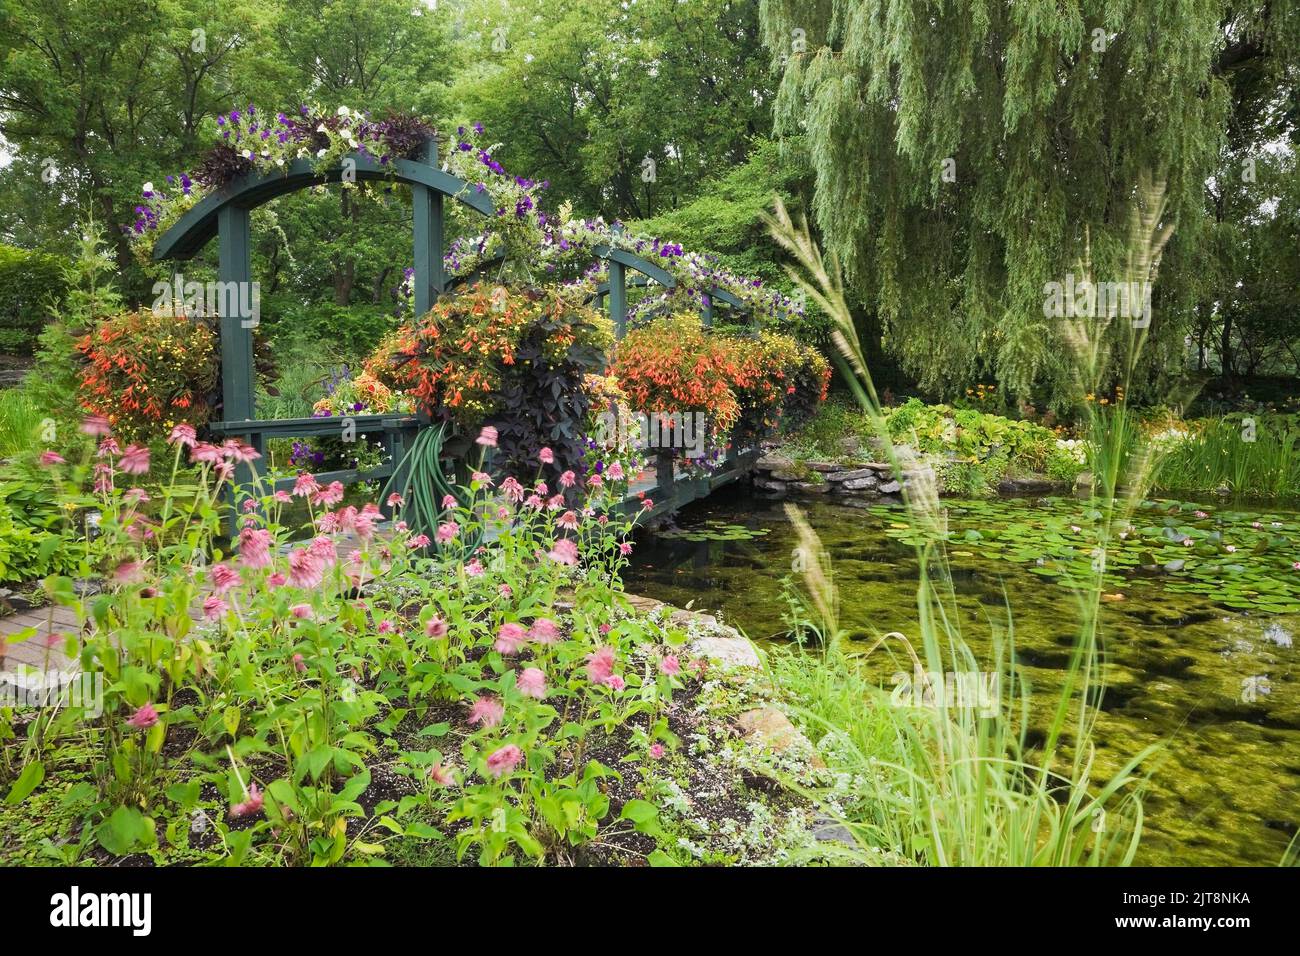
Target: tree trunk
{"type": "Point", "coordinates": [1225, 346]}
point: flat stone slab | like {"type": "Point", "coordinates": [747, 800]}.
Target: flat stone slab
{"type": "Point", "coordinates": [860, 484]}
{"type": "Point", "coordinates": [852, 474]}
{"type": "Point", "coordinates": [770, 729]}
{"type": "Point", "coordinates": [728, 651]}
{"type": "Point", "coordinates": [812, 487]}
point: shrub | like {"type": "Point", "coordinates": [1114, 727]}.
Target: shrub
{"type": "Point", "coordinates": [31, 284]}
{"type": "Point", "coordinates": [146, 373]}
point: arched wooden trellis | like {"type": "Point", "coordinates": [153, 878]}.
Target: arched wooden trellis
{"type": "Point", "coordinates": [226, 215]}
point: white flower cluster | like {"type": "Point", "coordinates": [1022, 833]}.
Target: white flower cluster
{"type": "Point", "coordinates": [1076, 448]}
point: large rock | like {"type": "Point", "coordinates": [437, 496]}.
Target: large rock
{"type": "Point", "coordinates": [793, 473]}
{"type": "Point", "coordinates": [771, 730]}
{"type": "Point", "coordinates": [852, 474]}
{"type": "Point", "coordinates": [811, 487]}
{"type": "Point", "coordinates": [773, 461]}
{"type": "Point", "coordinates": [1025, 486]}
{"type": "Point", "coordinates": [824, 466]}
{"type": "Point", "coordinates": [867, 482]}
{"type": "Point", "coordinates": [767, 484]}
{"type": "Point", "coordinates": [728, 651]}
{"type": "Point", "coordinates": [890, 488]}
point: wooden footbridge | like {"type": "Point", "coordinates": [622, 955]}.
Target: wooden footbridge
{"type": "Point", "coordinates": [226, 216]}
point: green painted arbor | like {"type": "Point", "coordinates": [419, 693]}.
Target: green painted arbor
{"type": "Point", "coordinates": [226, 215]}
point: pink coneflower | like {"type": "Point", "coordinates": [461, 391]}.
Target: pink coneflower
{"type": "Point", "coordinates": [568, 479]}
{"type": "Point", "coordinates": [503, 513]}
{"type": "Point", "coordinates": [449, 501]}
{"type": "Point", "coordinates": [96, 426]}
{"type": "Point", "coordinates": [556, 502]}
{"type": "Point", "coordinates": [436, 627]}
{"type": "Point", "coordinates": [447, 532]}
{"type": "Point", "coordinates": [487, 437]}
{"type": "Point", "coordinates": [243, 453]}
{"type": "Point", "coordinates": [419, 541]}
{"type": "Point", "coordinates": [135, 460]}
{"type": "Point", "coordinates": [255, 547]}
{"type": "Point", "coordinates": [223, 471]}
{"type": "Point", "coordinates": [568, 520]}
{"type": "Point", "coordinates": [305, 486]}
{"type": "Point", "coordinates": [513, 490]}
{"type": "Point", "coordinates": [605, 629]}
{"type": "Point", "coordinates": [302, 611]}
{"type": "Point", "coordinates": [330, 495]}
{"type": "Point", "coordinates": [282, 496]}
{"type": "Point", "coordinates": [128, 572]}
{"type": "Point", "coordinates": [364, 525]}
{"type": "Point", "coordinates": [214, 607]}
{"type": "Point", "coordinates": [564, 551]}
{"type": "Point", "coordinates": [506, 591]}
{"type": "Point", "coordinates": [504, 760]}
{"type": "Point", "coordinates": [534, 502]}
{"type": "Point", "coordinates": [52, 458]}
{"type": "Point", "coordinates": [541, 489]}
{"type": "Point", "coordinates": [625, 548]}
{"type": "Point", "coordinates": [224, 578]}
{"type": "Point", "coordinates": [474, 568]}
{"type": "Point", "coordinates": [387, 627]}
{"type": "Point", "coordinates": [442, 776]}
{"type": "Point", "coordinates": [144, 718]}
{"type": "Point", "coordinates": [595, 481]}
{"type": "Point", "coordinates": [546, 456]}
{"type": "Point", "coordinates": [531, 682]}
{"type": "Point", "coordinates": [253, 804]}
{"type": "Point", "coordinates": [647, 504]}
{"type": "Point", "coordinates": [249, 506]}
{"type": "Point", "coordinates": [486, 711]}
{"type": "Point", "coordinates": [107, 446]}
{"type": "Point", "coordinates": [183, 435]}
{"type": "Point", "coordinates": [670, 665]}
{"type": "Point", "coordinates": [544, 631]}
{"type": "Point", "coordinates": [615, 472]}
{"type": "Point", "coordinates": [482, 477]}
{"type": "Point", "coordinates": [656, 751]}
{"type": "Point", "coordinates": [204, 454]}
{"type": "Point", "coordinates": [305, 568]}
{"type": "Point", "coordinates": [600, 665]}
{"type": "Point", "coordinates": [510, 639]}
{"type": "Point", "coordinates": [299, 663]}
{"type": "Point", "coordinates": [276, 580]}
{"type": "Point", "coordinates": [395, 500]}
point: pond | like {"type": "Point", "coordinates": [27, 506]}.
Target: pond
{"type": "Point", "coordinates": [1198, 650]}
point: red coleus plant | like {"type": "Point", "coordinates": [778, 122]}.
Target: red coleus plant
{"type": "Point", "coordinates": [146, 372]}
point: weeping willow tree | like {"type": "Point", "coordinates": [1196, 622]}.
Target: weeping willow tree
{"type": "Point", "coordinates": [967, 152]}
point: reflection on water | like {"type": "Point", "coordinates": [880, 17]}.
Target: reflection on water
{"type": "Point", "coordinates": [1218, 685]}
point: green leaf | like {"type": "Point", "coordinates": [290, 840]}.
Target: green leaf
{"type": "Point", "coordinates": [27, 781]}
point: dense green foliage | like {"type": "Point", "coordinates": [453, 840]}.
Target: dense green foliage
{"type": "Point", "coordinates": [967, 154]}
{"type": "Point", "coordinates": [30, 288]}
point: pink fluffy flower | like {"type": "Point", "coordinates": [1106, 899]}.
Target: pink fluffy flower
{"type": "Point", "coordinates": [305, 569]}
{"type": "Point", "coordinates": [568, 479]}
{"type": "Point", "coordinates": [128, 572]}
{"type": "Point", "coordinates": [474, 568]}
{"type": "Point", "coordinates": [503, 761]}
{"type": "Point", "coordinates": [510, 639]}
{"type": "Point", "coordinates": [487, 437]}
{"type": "Point", "coordinates": [449, 501]}
{"type": "Point", "coordinates": [255, 547]}
{"type": "Point", "coordinates": [595, 481]}
{"type": "Point", "coordinates": [531, 682]}
{"type": "Point", "coordinates": [483, 478]}
{"type": "Point", "coordinates": [568, 520]}
{"type": "Point", "coordinates": [447, 532]}
{"type": "Point", "coordinates": [436, 627]}
{"type": "Point", "coordinates": [556, 502]}
{"type": "Point", "coordinates": [302, 611]}
{"type": "Point", "coordinates": [144, 718]}
{"type": "Point", "coordinates": [625, 548]}
{"type": "Point", "coordinates": [615, 682]}
{"type": "Point", "coordinates": [135, 460]}
{"type": "Point", "coordinates": [535, 502]}
{"type": "Point", "coordinates": [615, 472]}
{"type": "Point", "coordinates": [395, 500]}
{"type": "Point", "coordinates": [486, 711]}
{"type": "Point", "coordinates": [276, 580]}
{"type": "Point", "coordinates": [183, 435]}
{"type": "Point", "coordinates": [600, 665]}
{"type": "Point", "coordinates": [330, 495]}
{"type": "Point", "coordinates": [513, 490]}
{"type": "Point", "coordinates": [670, 665]}
{"type": "Point", "coordinates": [541, 489]}
{"type": "Point", "coordinates": [201, 453]}
{"type": "Point", "coordinates": [647, 504]}
{"type": "Point", "coordinates": [442, 776]}
{"type": "Point", "coordinates": [419, 541]}
{"type": "Point", "coordinates": [96, 426]}
{"type": "Point", "coordinates": [213, 607]}
{"type": "Point", "coordinates": [299, 663]}
{"type": "Point", "coordinates": [253, 803]}
{"type": "Point", "coordinates": [305, 486]}
{"type": "Point", "coordinates": [544, 631]}
{"type": "Point", "coordinates": [564, 551]}
{"type": "Point", "coordinates": [656, 751]}
{"type": "Point", "coordinates": [52, 458]}
{"type": "Point", "coordinates": [387, 627]}
{"type": "Point", "coordinates": [546, 456]}
{"type": "Point", "coordinates": [224, 578]}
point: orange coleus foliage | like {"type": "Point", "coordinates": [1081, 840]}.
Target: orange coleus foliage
{"type": "Point", "coordinates": [146, 372]}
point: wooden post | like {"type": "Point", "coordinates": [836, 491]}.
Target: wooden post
{"type": "Point", "coordinates": [618, 292]}
{"type": "Point", "coordinates": [706, 317]}
{"type": "Point", "coordinates": [430, 277]}
{"type": "Point", "coordinates": [238, 374]}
